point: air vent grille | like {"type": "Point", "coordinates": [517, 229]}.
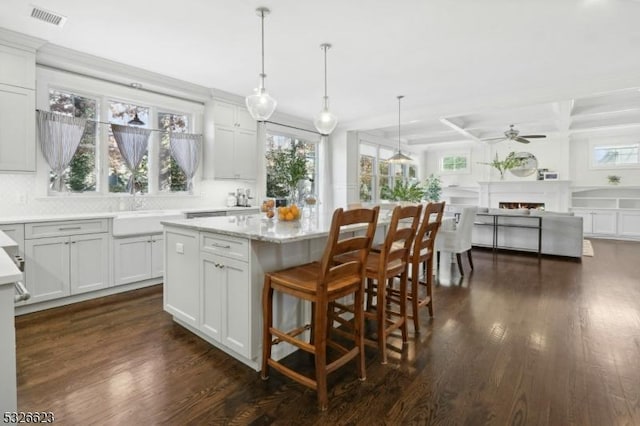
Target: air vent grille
{"type": "Point", "coordinates": [48, 16]}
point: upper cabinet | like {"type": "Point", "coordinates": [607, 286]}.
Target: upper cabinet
{"type": "Point", "coordinates": [17, 109]}
{"type": "Point", "coordinates": [234, 154]}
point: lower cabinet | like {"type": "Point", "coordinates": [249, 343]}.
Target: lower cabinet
{"type": "Point", "coordinates": [208, 291]}
{"type": "Point", "coordinates": [629, 223]}
{"type": "Point", "coordinates": [61, 266]}
{"type": "Point", "coordinates": [137, 258]}
{"type": "Point", "coordinates": [598, 222]}
{"type": "Point", "coordinates": [225, 295]}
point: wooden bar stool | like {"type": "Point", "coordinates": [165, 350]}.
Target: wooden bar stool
{"type": "Point", "coordinates": [422, 253]}
{"type": "Point", "coordinates": [383, 266]}
{"type": "Point", "coordinates": [321, 283]}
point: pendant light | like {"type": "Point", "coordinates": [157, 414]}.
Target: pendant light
{"type": "Point", "coordinates": [399, 157]}
{"type": "Point", "coordinates": [135, 121]}
{"type": "Point", "coordinates": [325, 121]}
{"type": "Point", "coordinates": [260, 104]}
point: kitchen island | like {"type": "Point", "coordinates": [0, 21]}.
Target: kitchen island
{"type": "Point", "coordinates": [214, 272]}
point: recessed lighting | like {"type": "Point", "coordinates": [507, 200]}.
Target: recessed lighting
{"type": "Point", "coordinates": [136, 85]}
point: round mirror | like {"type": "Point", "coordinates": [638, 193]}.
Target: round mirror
{"type": "Point", "coordinates": [528, 166]}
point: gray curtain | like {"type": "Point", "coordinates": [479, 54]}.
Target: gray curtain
{"type": "Point", "coordinates": [59, 136]}
{"type": "Point", "coordinates": [133, 143]}
{"type": "Point", "coordinates": [186, 149]}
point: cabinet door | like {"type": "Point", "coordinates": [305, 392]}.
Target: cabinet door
{"type": "Point", "coordinates": [245, 120]}
{"type": "Point", "coordinates": [604, 223]}
{"type": "Point", "coordinates": [17, 129]}
{"type": "Point", "coordinates": [18, 67]}
{"type": "Point", "coordinates": [235, 300]}
{"type": "Point", "coordinates": [224, 114]}
{"type": "Point", "coordinates": [89, 263]}
{"type": "Point", "coordinates": [157, 256]}
{"type": "Point", "coordinates": [47, 268]}
{"type": "Point", "coordinates": [223, 162]}
{"type": "Point", "coordinates": [629, 223]}
{"type": "Point", "coordinates": [245, 154]}
{"type": "Point", "coordinates": [132, 259]}
{"type": "Point", "coordinates": [182, 276]}
{"type": "Point", "coordinates": [586, 216]}
{"type": "Point", "coordinates": [212, 280]}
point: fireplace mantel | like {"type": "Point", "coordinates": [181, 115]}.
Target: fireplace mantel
{"type": "Point", "coordinates": [555, 194]}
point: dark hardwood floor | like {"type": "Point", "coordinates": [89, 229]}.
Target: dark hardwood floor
{"type": "Point", "coordinates": [515, 342]}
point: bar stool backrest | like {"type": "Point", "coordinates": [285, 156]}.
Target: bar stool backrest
{"type": "Point", "coordinates": [330, 271]}
{"type": "Point", "coordinates": [401, 236]}
{"type": "Point", "coordinates": [426, 234]}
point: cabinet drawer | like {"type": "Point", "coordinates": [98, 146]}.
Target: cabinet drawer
{"type": "Point", "coordinates": [223, 245]}
{"type": "Point", "coordinates": [74, 227]}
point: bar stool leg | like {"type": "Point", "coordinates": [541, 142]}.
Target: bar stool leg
{"type": "Point", "coordinates": [381, 308]}
{"type": "Point", "coordinates": [267, 323]}
{"type": "Point", "coordinates": [415, 283]}
{"type": "Point", "coordinates": [429, 282]}
{"type": "Point", "coordinates": [403, 305]}
{"type": "Point", "coordinates": [320, 340]}
{"type": "Point", "coordinates": [358, 328]}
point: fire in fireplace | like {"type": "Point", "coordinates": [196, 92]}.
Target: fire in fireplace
{"type": "Point", "coordinates": [520, 205]}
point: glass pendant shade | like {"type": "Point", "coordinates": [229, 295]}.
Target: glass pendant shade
{"type": "Point", "coordinates": [261, 105]}
{"type": "Point", "coordinates": [399, 157]}
{"type": "Point", "coordinates": [325, 121]}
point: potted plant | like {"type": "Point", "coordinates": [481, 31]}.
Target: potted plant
{"type": "Point", "coordinates": [613, 179]}
{"type": "Point", "coordinates": [403, 191]}
{"type": "Point", "coordinates": [433, 188]}
{"type": "Point", "coordinates": [286, 170]}
{"type": "Point", "coordinates": [511, 161]}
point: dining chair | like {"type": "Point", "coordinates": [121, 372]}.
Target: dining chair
{"type": "Point", "coordinates": [458, 240]}
{"type": "Point", "coordinates": [321, 283]}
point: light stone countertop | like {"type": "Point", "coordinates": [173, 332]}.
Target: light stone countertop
{"type": "Point", "coordinates": [258, 227]}
{"type": "Point", "coordinates": [100, 215]}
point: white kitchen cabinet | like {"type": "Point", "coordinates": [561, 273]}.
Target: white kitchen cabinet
{"type": "Point", "coordinates": [182, 278]}
{"type": "Point", "coordinates": [61, 266]}
{"type": "Point", "coordinates": [235, 151]}
{"type": "Point", "coordinates": [16, 233]}
{"type": "Point", "coordinates": [598, 222]}
{"type": "Point", "coordinates": [17, 129]}
{"type": "Point", "coordinates": [18, 67]}
{"type": "Point", "coordinates": [137, 258]}
{"type": "Point", "coordinates": [225, 307]}
{"type": "Point", "coordinates": [629, 223]}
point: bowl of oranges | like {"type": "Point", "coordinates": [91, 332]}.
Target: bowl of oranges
{"type": "Point", "coordinates": [289, 213]}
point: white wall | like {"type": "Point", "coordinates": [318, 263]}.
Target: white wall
{"type": "Point", "coordinates": [582, 172]}
{"type": "Point", "coordinates": [552, 153]}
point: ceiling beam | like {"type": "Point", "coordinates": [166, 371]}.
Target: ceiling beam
{"type": "Point", "coordinates": [459, 129]}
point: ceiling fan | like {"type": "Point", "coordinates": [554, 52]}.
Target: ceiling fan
{"type": "Point", "coordinates": [513, 134]}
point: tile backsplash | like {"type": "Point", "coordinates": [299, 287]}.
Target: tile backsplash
{"type": "Point", "coordinates": [17, 198]}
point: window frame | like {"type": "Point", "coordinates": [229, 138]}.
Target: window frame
{"type": "Point", "coordinates": [449, 154]}
{"type": "Point", "coordinates": [376, 176]}
{"type": "Point", "coordinates": [593, 146]}
{"type": "Point", "coordinates": [103, 92]}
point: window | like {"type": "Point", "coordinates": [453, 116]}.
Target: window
{"type": "Point", "coordinates": [454, 163]}
{"type": "Point", "coordinates": [290, 159]}
{"type": "Point", "coordinates": [377, 176]}
{"type": "Point", "coordinates": [170, 175]}
{"type": "Point", "coordinates": [119, 174]}
{"type": "Point", "coordinates": [80, 176]}
{"type": "Point", "coordinates": [618, 156]}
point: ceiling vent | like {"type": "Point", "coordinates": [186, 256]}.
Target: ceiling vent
{"type": "Point", "coordinates": [48, 16]}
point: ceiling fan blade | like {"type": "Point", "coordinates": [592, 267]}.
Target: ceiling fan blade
{"type": "Point", "coordinates": [533, 136]}
{"type": "Point", "coordinates": [494, 139]}
{"type": "Point", "coordinates": [521, 140]}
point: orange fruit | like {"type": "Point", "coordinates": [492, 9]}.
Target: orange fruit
{"type": "Point", "coordinates": [281, 216]}
{"type": "Point", "coordinates": [289, 216]}
{"type": "Point", "coordinates": [294, 210]}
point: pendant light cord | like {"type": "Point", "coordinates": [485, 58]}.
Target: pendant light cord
{"type": "Point", "coordinates": [325, 47]}
{"type": "Point", "coordinates": [399, 99]}
{"type": "Point", "coordinates": [262, 38]}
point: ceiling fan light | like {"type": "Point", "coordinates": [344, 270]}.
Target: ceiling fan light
{"type": "Point", "coordinates": [261, 105]}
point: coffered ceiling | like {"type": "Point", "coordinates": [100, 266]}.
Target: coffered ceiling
{"type": "Point", "coordinates": [544, 65]}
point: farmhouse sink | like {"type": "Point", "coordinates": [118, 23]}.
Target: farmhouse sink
{"type": "Point", "coordinates": [142, 221]}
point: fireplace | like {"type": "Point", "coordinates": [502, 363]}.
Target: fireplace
{"type": "Point", "coordinates": [520, 205]}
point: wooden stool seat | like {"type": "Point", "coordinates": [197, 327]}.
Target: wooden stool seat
{"type": "Point", "coordinates": [322, 283]}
